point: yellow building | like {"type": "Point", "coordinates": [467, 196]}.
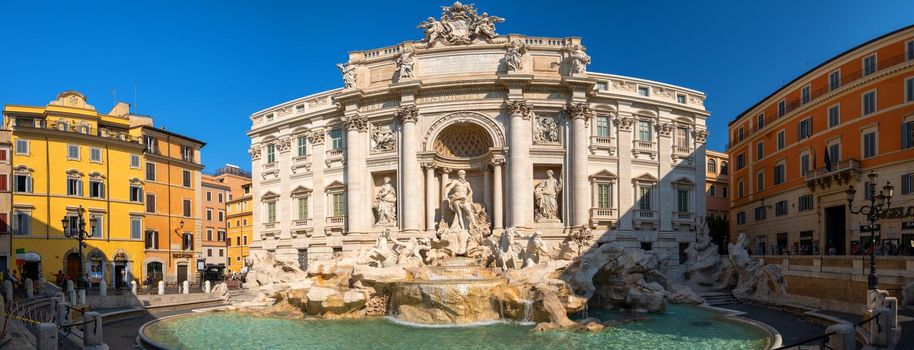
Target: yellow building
{"type": "Point", "coordinates": [240, 228]}
{"type": "Point", "coordinates": [68, 156]}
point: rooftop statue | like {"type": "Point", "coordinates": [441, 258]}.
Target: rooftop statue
{"type": "Point", "coordinates": [459, 24]}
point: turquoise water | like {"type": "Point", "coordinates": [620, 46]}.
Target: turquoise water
{"type": "Point", "coordinates": [680, 327]}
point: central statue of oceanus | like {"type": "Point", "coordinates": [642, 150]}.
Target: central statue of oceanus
{"type": "Point", "coordinates": [460, 201]}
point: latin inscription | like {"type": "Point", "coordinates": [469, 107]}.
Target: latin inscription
{"type": "Point", "coordinates": [460, 64]}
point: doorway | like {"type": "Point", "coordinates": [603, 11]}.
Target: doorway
{"type": "Point", "coordinates": [119, 276]}
{"type": "Point", "coordinates": [73, 262]}
{"type": "Point", "coordinates": [182, 273]}
{"type": "Point", "coordinates": [154, 269]}
{"type": "Point", "coordinates": [835, 230]}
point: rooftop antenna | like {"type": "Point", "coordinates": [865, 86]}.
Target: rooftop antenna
{"type": "Point", "coordinates": [135, 97]}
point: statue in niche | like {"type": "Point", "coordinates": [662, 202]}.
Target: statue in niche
{"type": "Point", "coordinates": [405, 65]}
{"type": "Point", "coordinates": [578, 58]}
{"type": "Point", "coordinates": [348, 72]}
{"type": "Point", "coordinates": [545, 130]}
{"type": "Point", "coordinates": [385, 202]}
{"type": "Point", "coordinates": [382, 139]}
{"type": "Point", "coordinates": [545, 197]}
{"type": "Point", "coordinates": [460, 201]}
{"type": "Point", "coordinates": [514, 56]}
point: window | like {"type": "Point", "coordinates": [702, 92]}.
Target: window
{"type": "Point", "coordinates": [97, 226]}
{"type": "Point", "coordinates": [186, 178]}
{"type": "Point", "coordinates": [834, 116]}
{"type": "Point", "coordinates": [136, 193]}
{"type": "Point", "coordinates": [907, 134]}
{"type": "Point", "coordinates": [604, 196]}
{"type": "Point", "coordinates": [909, 50]}
{"type": "Point", "coordinates": [4, 155]}
{"type": "Point", "coordinates": [209, 234]}
{"type": "Point", "coordinates": [804, 129]}
{"type": "Point", "coordinates": [209, 196]}
{"type": "Point", "coordinates": [781, 140]}
{"type": "Point", "coordinates": [22, 183]}
{"type": "Point", "coordinates": [151, 144]}
{"type": "Point", "coordinates": [682, 137]}
{"type": "Point", "coordinates": [644, 91]}
{"type": "Point", "coordinates": [909, 90]}
{"type": "Point", "coordinates": [712, 166]}
{"type": "Point", "coordinates": [209, 252]}
{"type": "Point", "coordinates": [682, 201]}
{"type": "Point", "coordinates": [336, 139]}
{"type": "Point", "coordinates": [869, 64]}
{"type": "Point", "coordinates": [209, 214]}
{"type": "Point", "coordinates": [907, 183]}
{"type": "Point", "coordinates": [221, 216]}
{"type": "Point", "coordinates": [869, 143]}
{"type": "Point", "coordinates": [4, 226]}
{"type": "Point", "coordinates": [760, 150]}
{"type": "Point", "coordinates": [740, 134]}
{"type": "Point", "coordinates": [759, 213]}
{"type": "Point", "coordinates": [780, 208]}
{"type": "Point", "coordinates": [740, 161]}
{"type": "Point", "coordinates": [221, 252]}
{"type": "Point", "coordinates": [723, 191]}
{"type": "Point", "coordinates": [73, 152]}
{"type": "Point", "coordinates": [271, 153]}
{"type": "Point", "coordinates": [150, 172]}
{"type": "Point", "coordinates": [22, 223]}
{"type": "Point", "coordinates": [237, 240]}
{"type": "Point", "coordinates": [271, 212]}
{"type": "Point", "coordinates": [644, 131]}
{"type": "Point", "coordinates": [96, 189]}
{"type": "Point", "coordinates": [804, 94]}
{"type": "Point", "coordinates": [219, 197]}
{"type": "Point", "coordinates": [760, 181]}
{"type": "Point", "coordinates": [741, 218]}
{"type": "Point", "coordinates": [834, 152]}
{"type": "Point", "coordinates": [804, 163]}
{"type": "Point", "coordinates": [136, 228]}
{"type": "Point", "coordinates": [723, 168]}
{"type": "Point", "coordinates": [834, 80]}
{"type": "Point", "coordinates": [74, 187]}
{"type": "Point", "coordinates": [603, 126]}
{"type": "Point", "coordinates": [302, 208]}
{"type": "Point", "coordinates": [150, 203]}
{"type": "Point", "coordinates": [134, 161]}
{"type": "Point", "coordinates": [4, 179]}
{"type": "Point", "coordinates": [805, 203]}
{"type": "Point", "coordinates": [187, 241]}
{"type": "Point", "coordinates": [95, 155]}
{"type": "Point", "coordinates": [302, 146]}
{"type": "Point", "coordinates": [760, 121]}
{"type": "Point", "coordinates": [338, 206]}
{"type": "Point", "coordinates": [245, 240]}
{"type": "Point", "coordinates": [869, 102]}
{"type": "Point", "coordinates": [712, 191]}
{"type": "Point", "coordinates": [782, 108]}
{"type": "Point", "coordinates": [779, 174]}
{"type": "Point", "coordinates": [187, 153]}
{"type": "Point", "coordinates": [681, 98]}
{"type": "Point", "coordinates": [187, 210]}
{"type": "Point", "coordinates": [740, 189]}
{"type": "Point", "coordinates": [152, 240]}
{"type": "Point", "coordinates": [644, 198]}
{"type": "Point", "coordinates": [22, 147]}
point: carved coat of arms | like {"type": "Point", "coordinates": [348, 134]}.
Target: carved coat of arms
{"type": "Point", "coordinates": [459, 24]}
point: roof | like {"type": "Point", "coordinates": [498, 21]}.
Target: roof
{"type": "Point", "coordinates": [166, 132]}
{"type": "Point", "coordinates": [809, 72]}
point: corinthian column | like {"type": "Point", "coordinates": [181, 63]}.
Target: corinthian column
{"type": "Point", "coordinates": [356, 195]}
{"type": "Point", "coordinates": [497, 198]}
{"type": "Point", "coordinates": [580, 115]}
{"type": "Point", "coordinates": [408, 115]}
{"type": "Point", "coordinates": [519, 167]}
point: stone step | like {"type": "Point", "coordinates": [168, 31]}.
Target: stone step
{"type": "Point", "coordinates": [719, 298]}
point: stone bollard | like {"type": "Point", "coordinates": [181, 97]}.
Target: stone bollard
{"type": "Point", "coordinates": [61, 313]}
{"type": "Point", "coordinates": [81, 297]}
{"type": "Point", "coordinates": [843, 339]}
{"type": "Point", "coordinates": [102, 288]}
{"type": "Point", "coordinates": [41, 282]}
{"type": "Point", "coordinates": [61, 297]}
{"type": "Point", "coordinates": [161, 287]}
{"type": "Point", "coordinates": [47, 337]}
{"type": "Point", "coordinates": [8, 291]}
{"type": "Point", "coordinates": [69, 285]}
{"type": "Point", "coordinates": [185, 287]}
{"type": "Point", "coordinates": [29, 288]}
{"type": "Point", "coordinates": [883, 334]}
{"type": "Point", "coordinates": [71, 297]}
{"type": "Point", "coordinates": [207, 287]}
{"type": "Point", "coordinates": [133, 287]}
{"type": "Point", "coordinates": [92, 331]}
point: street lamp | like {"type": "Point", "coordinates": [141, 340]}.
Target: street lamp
{"type": "Point", "coordinates": [75, 227]}
{"type": "Point", "coordinates": [879, 204]}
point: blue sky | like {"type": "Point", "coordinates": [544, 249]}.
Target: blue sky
{"type": "Point", "coordinates": [202, 67]}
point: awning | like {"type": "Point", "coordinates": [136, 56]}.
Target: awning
{"type": "Point", "coordinates": [29, 257]}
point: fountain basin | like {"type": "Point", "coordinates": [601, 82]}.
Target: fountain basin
{"type": "Point", "coordinates": [452, 301]}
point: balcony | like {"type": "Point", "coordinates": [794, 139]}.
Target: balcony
{"type": "Point", "coordinates": [301, 164]}
{"type": "Point", "coordinates": [644, 217]}
{"type": "Point", "coordinates": [682, 218]}
{"type": "Point", "coordinates": [269, 225]}
{"type": "Point", "coordinates": [336, 221]}
{"type": "Point", "coordinates": [335, 153]}
{"type": "Point", "coordinates": [268, 166]}
{"type": "Point", "coordinates": [603, 143]}
{"type": "Point", "coordinates": [603, 216]}
{"type": "Point", "coordinates": [841, 172]}
{"type": "Point", "coordinates": [682, 151]}
{"type": "Point", "coordinates": [301, 223]}
{"type": "Point", "coordinates": [644, 145]}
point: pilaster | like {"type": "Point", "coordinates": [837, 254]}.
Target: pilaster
{"type": "Point", "coordinates": [664, 132]}
{"type": "Point", "coordinates": [519, 167]}
{"type": "Point", "coordinates": [626, 199]}
{"type": "Point", "coordinates": [409, 168]}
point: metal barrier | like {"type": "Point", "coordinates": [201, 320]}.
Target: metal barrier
{"type": "Point", "coordinates": [825, 338]}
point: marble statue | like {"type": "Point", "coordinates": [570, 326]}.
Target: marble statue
{"type": "Point", "coordinates": [535, 252]}
{"type": "Point", "coordinates": [545, 130]}
{"type": "Point", "coordinates": [702, 258]}
{"type": "Point", "coordinates": [753, 277]}
{"type": "Point", "coordinates": [514, 56]}
{"type": "Point", "coordinates": [459, 24]}
{"type": "Point", "coordinates": [506, 257]}
{"type": "Point", "coordinates": [382, 139]}
{"type": "Point", "coordinates": [348, 72]}
{"type": "Point", "coordinates": [545, 198]}
{"type": "Point", "coordinates": [381, 255]}
{"type": "Point", "coordinates": [386, 203]}
{"type": "Point", "coordinates": [405, 65]}
{"type": "Point", "coordinates": [578, 59]}
{"type": "Point", "coordinates": [460, 200]}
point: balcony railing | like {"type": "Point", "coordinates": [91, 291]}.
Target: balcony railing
{"type": "Point", "coordinates": [335, 153]}
{"type": "Point", "coordinates": [336, 220]}
{"type": "Point", "coordinates": [682, 216]}
{"type": "Point", "coordinates": [682, 151]}
{"type": "Point", "coordinates": [602, 141]}
{"type": "Point", "coordinates": [645, 214]}
{"type": "Point", "coordinates": [644, 145]}
{"type": "Point", "coordinates": [841, 167]}
{"type": "Point", "coordinates": [301, 223]}
{"type": "Point", "coordinates": [301, 159]}
{"type": "Point", "coordinates": [268, 166]}
{"type": "Point", "coordinates": [269, 225]}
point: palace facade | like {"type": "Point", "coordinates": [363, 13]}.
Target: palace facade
{"type": "Point", "coordinates": [510, 129]}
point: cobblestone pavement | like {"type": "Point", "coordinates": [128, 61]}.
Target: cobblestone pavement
{"type": "Point", "coordinates": [122, 334]}
{"type": "Point", "coordinates": [793, 328]}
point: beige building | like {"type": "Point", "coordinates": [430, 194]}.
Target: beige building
{"type": "Point", "coordinates": [717, 183]}
{"type": "Point", "coordinates": [212, 240]}
{"type": "Point", "coordinates": [6, 200]}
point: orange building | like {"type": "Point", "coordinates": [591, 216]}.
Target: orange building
{"type": "Point", "coordinates": [172, 185]}
{"type": "Point", "coordinates": [717, 184]}
{"type": "Point", "coordinates": [219, 189]}
{"type": "Point", "coordinates": [796, 152]}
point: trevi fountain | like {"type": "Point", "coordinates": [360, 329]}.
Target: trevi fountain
{"type": "Point", "coordinates": [564, 277]}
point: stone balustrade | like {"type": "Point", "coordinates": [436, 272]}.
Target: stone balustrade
{"type": "Point", "coordinates": [336, 220]}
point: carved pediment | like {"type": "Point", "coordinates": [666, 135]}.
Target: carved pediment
{"type": "Point", "coordinates": [646, 178]}
{"type": "Point", "coordinates": [684, 181]}
{"type": "Point", "coordinates": [74, 173]}
{"type": "Point", "coordinates": [270, 195]}
{"type": "Point", "coordinates": [335, 185]}
{"type": "Point", "coordinates": [301, 191]}
{"type": "Point", "coordinates": [604, 174]}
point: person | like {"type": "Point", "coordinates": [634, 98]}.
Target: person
{"type": "Point", "coordinates": [87, 281]}
{"type": "Point", "coordinates": [148, 282]}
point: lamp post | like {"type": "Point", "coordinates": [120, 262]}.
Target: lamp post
{"type": "Point", "coordinates": [879, 204]}
{"type": "Point", "coordinates": [75, 227]}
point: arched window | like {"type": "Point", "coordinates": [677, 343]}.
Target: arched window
{"type": "Point", "coordinates": [723, 168]}
{"type": "Point", "coordinates": [712, 166]}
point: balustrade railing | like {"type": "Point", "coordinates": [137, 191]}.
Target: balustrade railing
{"type": "Point", "coordinates": [646, 214]}
{"type": "Point", "coordinates": [645, 145]}
{"type": "Point", "coordinates": [336, 220]}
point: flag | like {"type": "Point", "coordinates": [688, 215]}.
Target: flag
{"type": "Point", "coordinates": [20, 256]}
{"type": "Point", "coordinates": [827, 160]}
